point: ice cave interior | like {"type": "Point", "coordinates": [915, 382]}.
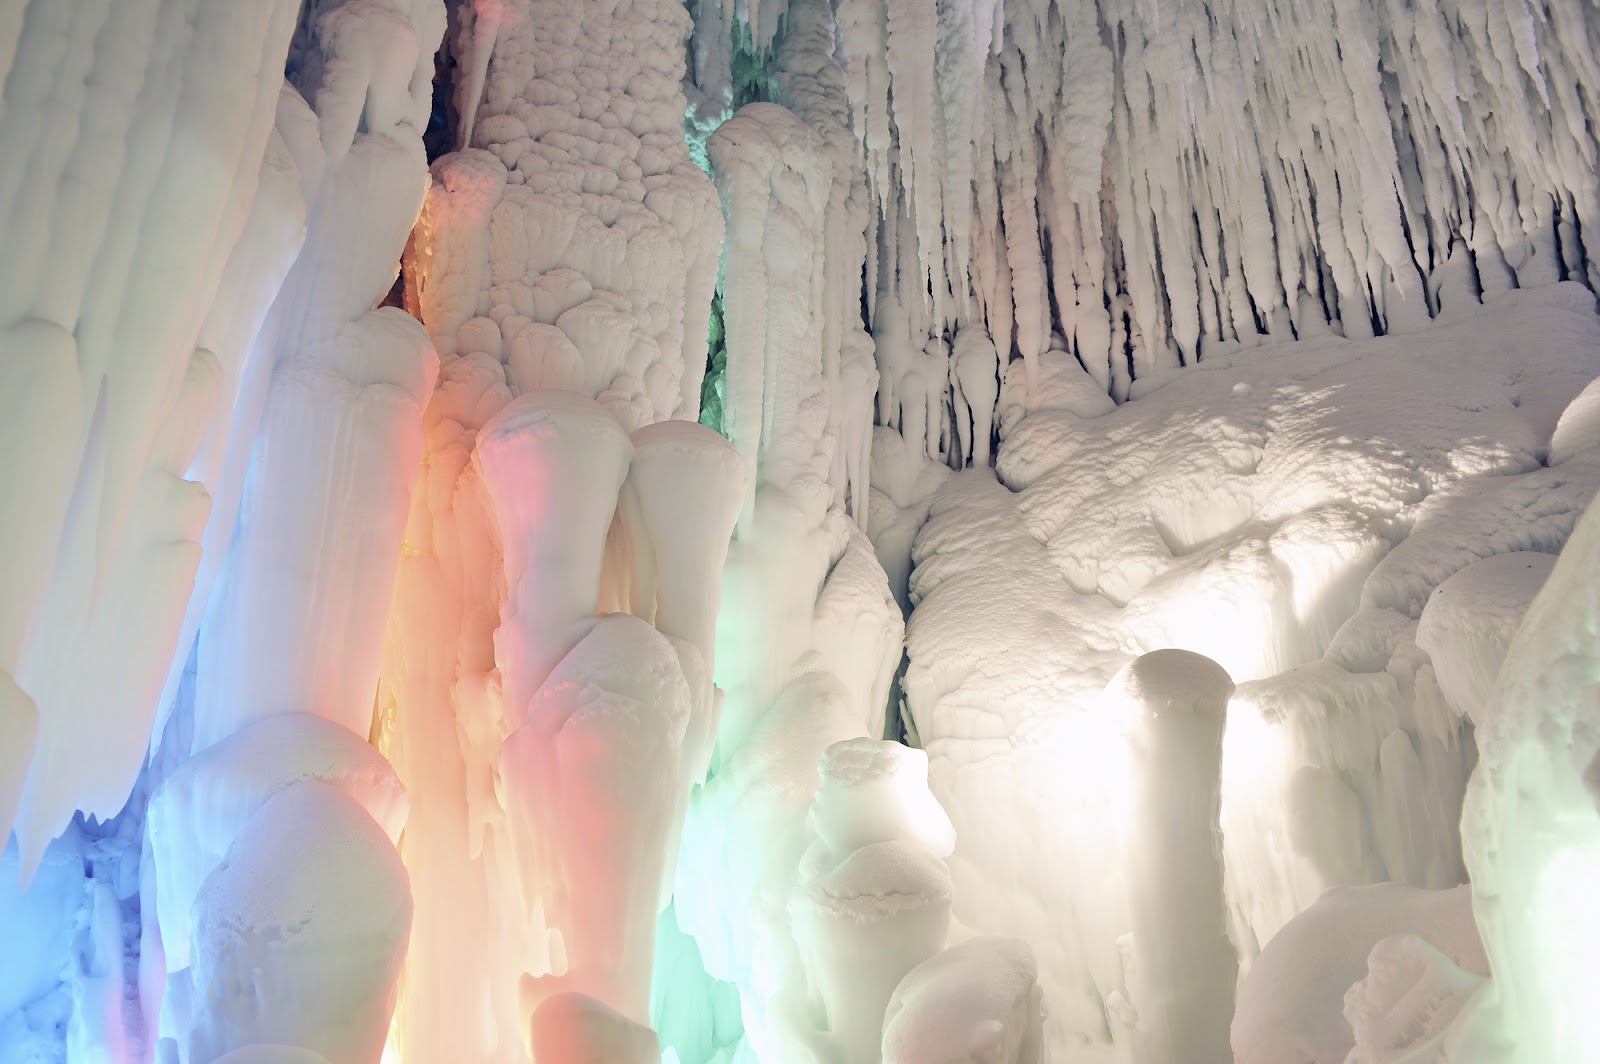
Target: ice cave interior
{"type": "Point", "coordinates": [799, 531]}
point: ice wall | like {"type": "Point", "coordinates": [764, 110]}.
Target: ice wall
{"type": "Point", "coordinates": [1529, 829]}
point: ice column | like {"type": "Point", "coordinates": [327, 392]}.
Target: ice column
{"type": "Point", "coordinates": [569, 245]}
{"type": "Point", "coordinates": [290, 644]}
{"type": "Point", "coordinates": [1184, 966]}
{"type": "Point", "coordinates": [808, 637]}
{"type": "Point", "coordinates": [553, 462]}
{"type": "Point", "coordinates": [296, 622]}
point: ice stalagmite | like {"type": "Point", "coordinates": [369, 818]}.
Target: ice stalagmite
{"type": "Point", "coordinates": [569, 245]}
{"type": "Point", "coordinates": [873, 900]}
{"type": "Point", "coordinates": [591, 781]}
{"type": "Point", "coordinates": [310, 911]}
{"type": "Point", "coordinates": [1184, 966]}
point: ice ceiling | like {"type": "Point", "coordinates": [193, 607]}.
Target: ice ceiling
{"type": "Point", "coordinates": [827, 531]}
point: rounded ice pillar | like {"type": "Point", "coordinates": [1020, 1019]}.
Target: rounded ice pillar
{"type": "Point", "coordinates": [553, 462]}
{"type": "Point", "coordinates": [688, 482]}
{"type": "Point", "coordinates": [862, 925]}
{"type": "Point", "coordinates": [1184, 965]}
{"type": "Point", "coordinates": [685, 487]}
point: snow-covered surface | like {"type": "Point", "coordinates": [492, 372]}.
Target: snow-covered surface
{"type": "Point", "coordinates": [1286, 511]}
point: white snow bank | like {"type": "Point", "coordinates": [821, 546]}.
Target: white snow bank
{"type": "Point", "coordinates": [1470, 620]}
{"type": "Point", "coordinates": [1286, 511]}
{"type": "Point", "coordinates": [1292, 1004]}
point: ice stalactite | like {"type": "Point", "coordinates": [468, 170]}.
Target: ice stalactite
{"type": "Point", "coordinates": [1150, 188]}
{"type": "Point", "coordinates": [155, 185]}
{"type": "Point", "coordinates": [564, 266]}
{"type": "Point", "coordinates": [1182, 966]}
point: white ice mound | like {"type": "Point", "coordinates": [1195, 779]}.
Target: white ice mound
{"type": "Point", "coordinates": [572, 1028]}
{"type": "Point", "coordinates": [1469, 622]}
{"type": "Point", "coordinates": [1292, 1004]}
{"type": "Point", "coordinates": [1578, 429]}
{"type": "Point", "coordinates": [198, 811]}
{"type": "Point", "coordinates": [300, 932]}
{"type": "Point", "coordinates": [976, 1003]}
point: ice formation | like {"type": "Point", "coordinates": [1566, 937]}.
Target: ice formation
{"type": "Point", "coordinates": [647, 530]}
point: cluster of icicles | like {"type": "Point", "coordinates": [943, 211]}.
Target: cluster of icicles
{"type": "Point", "coordinates": [1136, 182]}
